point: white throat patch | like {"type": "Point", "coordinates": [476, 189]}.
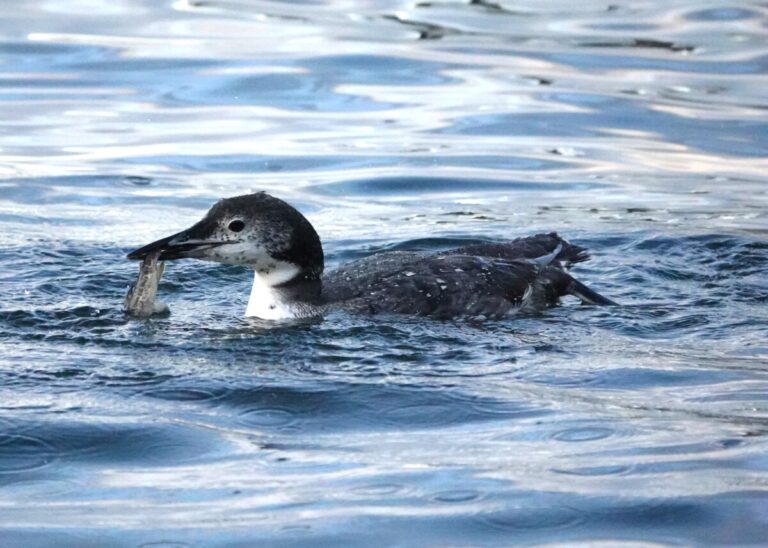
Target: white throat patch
{"type": "Point", "coordinates": [265, 302]}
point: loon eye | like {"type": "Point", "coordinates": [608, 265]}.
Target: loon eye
{"type": "Point", "coordinates": [236, 226]}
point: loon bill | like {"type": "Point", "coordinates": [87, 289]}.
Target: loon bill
{"type": "Point", "coordinates": [270, 236]}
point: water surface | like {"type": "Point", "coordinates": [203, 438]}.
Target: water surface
{"type": "Point", "coordinates": [637, 130]}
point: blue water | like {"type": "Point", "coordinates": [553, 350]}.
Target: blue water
{"type": "Point", "coordinates": [636, 129]}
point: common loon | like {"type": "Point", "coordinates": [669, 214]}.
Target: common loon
{"type": "Point", "coordinates": [270, 236]}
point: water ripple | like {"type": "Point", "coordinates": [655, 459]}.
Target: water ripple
{"type": "Point", "coordinates": [635, 130]}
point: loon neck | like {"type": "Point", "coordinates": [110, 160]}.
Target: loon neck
{"type": "Point", "coordinates": [274, 299]}
{"type": "Point", "coordinates": [286, 283]}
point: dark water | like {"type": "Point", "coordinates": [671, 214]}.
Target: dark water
{"type": "Point", "coordinates": [637, 129]}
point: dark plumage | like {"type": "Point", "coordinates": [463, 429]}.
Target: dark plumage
{"type": "Point", "coordinates": [487, 280]}
{"type": "Point", "coordinates": [281, 246]}
{"type": "Point", "coordinates": [528, 247]}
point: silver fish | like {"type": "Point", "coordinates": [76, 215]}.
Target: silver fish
{"type": "Point", "coordinates": [140, 300]}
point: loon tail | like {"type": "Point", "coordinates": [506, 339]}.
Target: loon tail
{"type": "Point", "coordinates": [587, 296]}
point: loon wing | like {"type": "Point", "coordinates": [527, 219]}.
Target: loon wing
{"type": "Point", "coordinates": [529, 247]}
{"type": "Point", "coordinates": [487, 280]}
{"type": "Point", "coordinates": [447, 286]}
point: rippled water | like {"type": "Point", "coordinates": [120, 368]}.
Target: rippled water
{"type": "Point", "coordinates": [637, 129]}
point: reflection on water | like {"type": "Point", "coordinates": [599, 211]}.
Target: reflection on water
{"type": "Point", "coordinates": [637, 130]}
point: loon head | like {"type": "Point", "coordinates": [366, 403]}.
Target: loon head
{"type": "Point", "coordinates": [254, 230]}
